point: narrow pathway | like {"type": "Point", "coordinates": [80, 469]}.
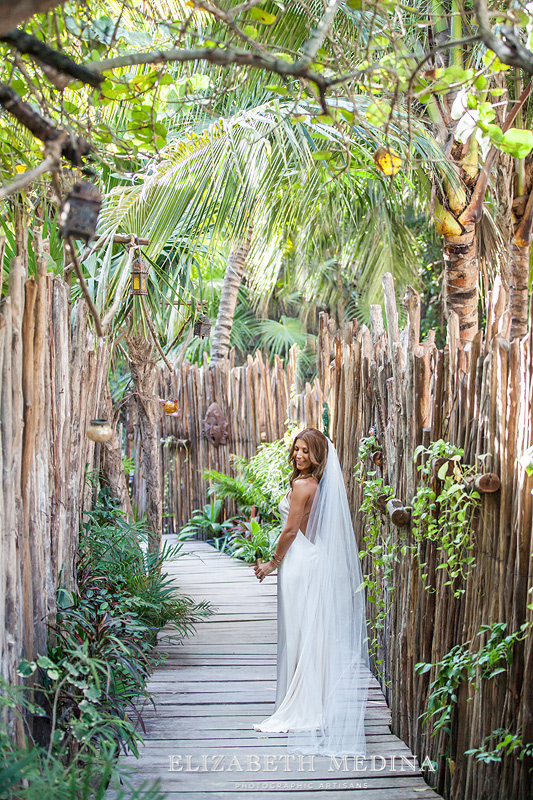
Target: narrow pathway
{"type": "Point", "coordinates": [199, 738]}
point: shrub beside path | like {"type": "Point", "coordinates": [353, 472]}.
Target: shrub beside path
{"type": "Point", "coordinates": [199, 738]}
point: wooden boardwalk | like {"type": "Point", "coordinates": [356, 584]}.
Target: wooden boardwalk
{"type": "Point", "coordinates": [200, 741]}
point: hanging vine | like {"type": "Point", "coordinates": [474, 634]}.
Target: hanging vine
{"type": "Point", "coordinates": [446, 517]}
{"type": "Point", "coordinates": [379, 545]}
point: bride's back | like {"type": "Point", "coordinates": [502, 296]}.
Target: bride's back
{"type": "Point", "coordinates": [311, 485]}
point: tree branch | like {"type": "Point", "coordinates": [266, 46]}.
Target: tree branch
{"type": "Point", "coordinates": [28, 177]}
{"type": "Point", "coordinates": [315, 41]}
{"type": "Point", "coordinates": [13, 12]}
{"type": "Point", "coordinates": [88, 299]}
{"type": "Point", "coordinates": [228, 20]}
{"type": "Point", "coordinates": [508, 48]}
{"type": "Point", "coordinates": [243, 7]}
{"type": "Point", "coordinates": [73, 148]}
{"type": "Point", "coordinates": [224, 57]}
{"type": "Point", "coordinates": [31, 46]}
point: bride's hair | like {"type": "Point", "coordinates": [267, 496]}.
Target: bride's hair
{"type": "Point", "coordinates": [317, 445]}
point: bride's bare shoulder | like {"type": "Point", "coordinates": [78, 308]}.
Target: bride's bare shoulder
{"type": "Point", "coordinates": [305, 487]}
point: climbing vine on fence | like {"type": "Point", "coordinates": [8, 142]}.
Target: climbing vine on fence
{"type": "Point", "coordinates": [446, 516]}
{"type": "Point", "coordinates": [379, 545]}
{"type": "Point", "coordinates": [499, 743]}
{"type": "Point", "coordinates": [463, 663]}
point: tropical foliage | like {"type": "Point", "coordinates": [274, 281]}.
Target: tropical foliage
{"type": "Point", "coordinates": [260, 483]}
{"type": "Point", "coordinates": [256, 490]}
{"type": "Point", "coordinates": [92, 682]}
{"type": "Point", "coordinates": [186, 154]}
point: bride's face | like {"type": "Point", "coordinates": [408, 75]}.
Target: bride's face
{"type": "Point", "coordinates": [301, 455]}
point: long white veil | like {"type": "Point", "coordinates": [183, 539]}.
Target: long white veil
{"type": "Point", "coordinates": [334, 634]}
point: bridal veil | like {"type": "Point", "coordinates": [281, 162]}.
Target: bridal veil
{"type": "Point", "coordinates": [334, 630]}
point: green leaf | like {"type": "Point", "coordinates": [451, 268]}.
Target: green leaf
{"type": "Point", "coordinates": [277, 89]}
{"type": "Point", "coordinates": [45, 662]}
{"type": "Point", "coordinates": [495, 133]}
{"type": "Point", "coordinates": [516, 142]}
{"type": "Point", "coordinates": [264, 17]}
{"type": "Point", "coordinates": [93, 694]}
{"type": "Point", "coordinates": [378, 113]}
{"type": "Point", "coordinates": [443, 471]}
{"type": "Point", "coordinates": [285, 57]}
{"type": "Point", "coordinates": [348, 115]}
{"type": "Point", "coordinates": [26, 668]}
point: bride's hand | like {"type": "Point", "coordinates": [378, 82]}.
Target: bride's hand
{"type": "Point", "coordinates": [264, 569]}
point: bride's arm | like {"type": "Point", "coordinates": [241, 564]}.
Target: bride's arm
{"type": "Point", "coordinates": [300, 494]}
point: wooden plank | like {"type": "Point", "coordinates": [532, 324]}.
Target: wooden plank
{"type": "Point", "coordinates": [335, 790]}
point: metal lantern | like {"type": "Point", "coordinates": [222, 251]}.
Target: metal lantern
{"type": "Point", "coordinates": [139, 276]}
{"type": "Point", "coordinates": [202, 326]}
{"type": "Point", "coordinates": [79, 212]}
{"type": "Point", "coordinates": [99, 430]}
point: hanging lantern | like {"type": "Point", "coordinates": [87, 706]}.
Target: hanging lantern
{"type": "Point", "coordinates": [99, 430]}
{"type": "Point", "coordinates": [139, 276]}
{"type": "Point", "coordinates": [202, 326]}
{"type": "Point", "coordinates": [79, 212]}
{"type": "Point", "coordinates": [170, 405]}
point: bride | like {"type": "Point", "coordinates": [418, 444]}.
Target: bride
{"type": "Point", "coordinates": [322, 659]}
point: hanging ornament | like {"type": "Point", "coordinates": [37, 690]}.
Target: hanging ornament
{"type": "Point", "coordinates": [170, 405]}
{"type": "Point", "coordinates": [99, 430]}
{"type": "Point", "coordinates": [215, 426]}
{"type": "Point", "coordinates": [79, 212]}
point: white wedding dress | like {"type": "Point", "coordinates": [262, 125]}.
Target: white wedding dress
{"type": "Point", "coordinates": [322, 652]}
{"type": "Point", "coordinates": [301, 680]}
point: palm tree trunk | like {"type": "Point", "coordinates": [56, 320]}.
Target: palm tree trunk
{"type": "Point", "coordinates": [518, 288]}
{"type": "Point", "coordinates": [142, 373]}
{"type": "Point", "coordinates": [460, 280]}
{"type": "Point", "coordinates": [519, 267]}
{"type": "Point", "coordinates": [456, 213]}
{"type": "Point", "coordinates": [228, 299]}
{"type": "Point", "coordinates": [341, 305]}
{"type": "Point", "coordinates": [111, 466]}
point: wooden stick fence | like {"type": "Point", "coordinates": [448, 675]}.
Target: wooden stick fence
{"type": "Point", "coordinates": [52, 378]}
{"type": "Point", "coordinates": [256, 399]}
{"type": "Point", "coordinates": [478, 398]}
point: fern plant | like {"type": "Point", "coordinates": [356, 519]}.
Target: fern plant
{"type": "Point", "coordinates": [260, 483]}
{"type": "Point", "coordinates": [205, 520]}
{"type": "Point", "coordinates": [258, 541]}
